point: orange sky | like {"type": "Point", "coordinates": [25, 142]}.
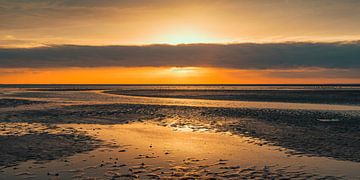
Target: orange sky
{"type": "Point", "coordinates": [34, 23]}
{"type": "Point", "coordinates": [155, 75]}
{"type": "Point", "coordinates": [42, 23]}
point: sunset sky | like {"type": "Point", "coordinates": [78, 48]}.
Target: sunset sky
{"type": "Point", "coordinates": [187, 41]}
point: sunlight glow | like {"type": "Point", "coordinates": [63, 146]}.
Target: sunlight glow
{"type": "Point", "coordinates": [185, 39]}
{"type": "Point", "coordinates": [192, 35]}
{"type": "Point", "coordinates": [155, 75]}
{"type": "Point", "coordinates": [184, 70]}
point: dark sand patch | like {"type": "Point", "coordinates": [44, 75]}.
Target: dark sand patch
{"type": "Point", "coordinates": [22, 142]}
{"type": "Point", "coordinates": [65, 89]}
{"type": "Point", "coordinates": [87, 114]}
{"type": "Point", "coordinates": [346, 97]}
{"type": "Point", "coordinates": [17, 102]}
{"type": "Point", "coordinates": [34, 94]}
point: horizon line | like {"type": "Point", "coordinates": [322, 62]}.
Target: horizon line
{"type": "Point", "coordinates": [41, 45]}
{"type": "Point", "coordinates": [205, 84]}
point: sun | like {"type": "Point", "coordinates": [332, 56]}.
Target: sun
{"type": "Point", "coordinates": [186, 36]}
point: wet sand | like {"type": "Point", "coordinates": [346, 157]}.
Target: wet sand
{"type": "Point", "coordinates": [315, 133]}
{"type": "Point", "coordinates": [149, 151]}
{"type": "Point", "coordinates": [23, 141]}
{"type": "Point", "coordinates": [17, 102]}
{"type": "Point", "coordinates": [333, 96]}
{"type": "Point", "coordinates": [86, 134]}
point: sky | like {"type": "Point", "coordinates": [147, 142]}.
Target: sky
{"type": "Point", "coordinates": [187, 41]}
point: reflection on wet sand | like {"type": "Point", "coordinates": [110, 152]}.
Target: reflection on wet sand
{"type": "Point", "coordinates": [146, 150]}
{"type": "Point", "coordinates": [85, 134]}
{"type": "Point", "coordinates": [318, 133]}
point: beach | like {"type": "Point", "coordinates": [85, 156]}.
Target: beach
{"type": "Point", "coordinates": [175, 132]}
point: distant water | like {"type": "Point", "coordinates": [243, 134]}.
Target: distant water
{"type": "Point", "coordinates": [190, 87]}
{"type": "Point", "coordinates": [337, 94]}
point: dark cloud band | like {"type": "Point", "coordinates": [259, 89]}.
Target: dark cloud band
{"type": "Point", "coordinates": [238, 56]}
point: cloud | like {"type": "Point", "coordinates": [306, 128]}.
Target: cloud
{"type": "Point", "coordinates": [10, 41]}
{"type": "Point", "coordinates": [351, 73]}
{"type": "Point", "coordinates": [237, 56]}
